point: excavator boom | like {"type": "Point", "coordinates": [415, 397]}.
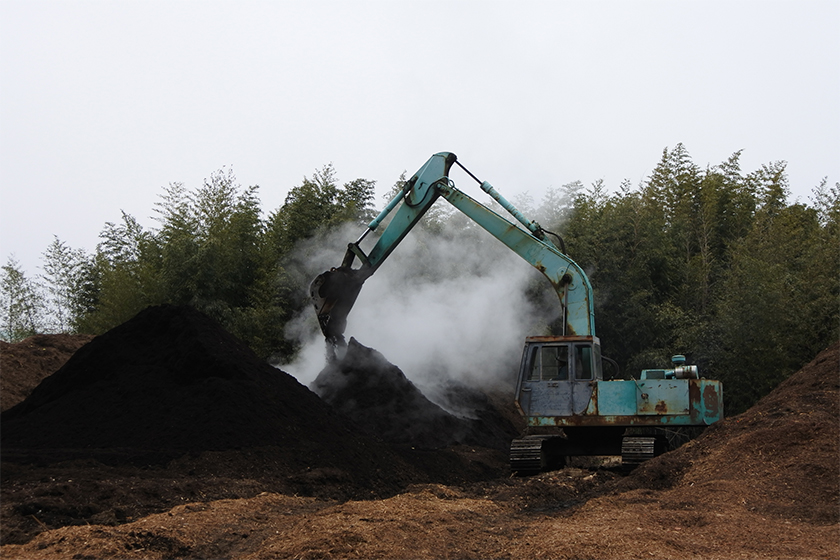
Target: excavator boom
{"type": "Point", "coordinates": [334, 292]}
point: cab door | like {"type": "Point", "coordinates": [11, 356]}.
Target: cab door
{"type": "Point", "coordinates": [557, 378]}
{"type": "Point", "coordinates": [584, 372]}
{"type": "Point", "coordinates": [544, 388]}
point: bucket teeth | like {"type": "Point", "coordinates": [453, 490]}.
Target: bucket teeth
{"type": "Point", "coordinates": [333, 294]}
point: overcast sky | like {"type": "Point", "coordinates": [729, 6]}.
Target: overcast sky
{"type": "Point", "coordinates": [104, 103]}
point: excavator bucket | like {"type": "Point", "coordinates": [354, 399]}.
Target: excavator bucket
{"type": "Point", "coordinates": [333, 293]}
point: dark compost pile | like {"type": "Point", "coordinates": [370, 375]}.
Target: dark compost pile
{"type": "Point", "coordinates": [171, 381]}
{"type": "Point", "coordinates": [377, 396]}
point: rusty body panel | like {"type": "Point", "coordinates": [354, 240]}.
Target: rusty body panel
{"type": "Point", "coordinates": [681, 402]}
{"type": "Point", "coordinates": [555, 338]}
{"type": "Point", "coordinates": [570, 393]}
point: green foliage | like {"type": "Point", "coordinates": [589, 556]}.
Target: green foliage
{"type": "Point", "coordinates": [355, 201]}
{"type": "Point", "coordinates": [557, 205]}
{"type": "Point", "coordinates": [62, 279]}
{"type": "Point", "coordinates": [308, 211]}
{"type": "Point", "coordinates": [21, 303]}
{"type": "Point", "coordinates": [714, 265]}
{"type": "Point", "coordinates": [119, 280]}
{"type": "Point", "coordinates": [215, 252]}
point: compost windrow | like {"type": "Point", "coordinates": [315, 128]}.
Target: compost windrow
{"type": "Point", "coordinates": [376, 395]}
{"type": "Point", "coordinates": [170, 381]}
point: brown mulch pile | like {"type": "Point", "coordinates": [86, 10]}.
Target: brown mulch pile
{"type": "Point", "coordinates": [781, 457]}
{"type": "Point", "coordinates": [763, 484]}
{"type": "Point", "coordinates": [26, 363]}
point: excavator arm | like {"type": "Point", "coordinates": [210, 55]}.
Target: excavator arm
{"type": "Point", "coordinates": [334, 292]}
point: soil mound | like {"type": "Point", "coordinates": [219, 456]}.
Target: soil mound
{"type": "Point", "coordinates": [171, 380]}
{"type": "Point", "coordinates": [168, 408]}
{"type": "Point", "coordinates": [377, 396]}
{"type": "Point", "coordinates": [24, 364]}
{"type": "Point", "coordinates": [781, 457]}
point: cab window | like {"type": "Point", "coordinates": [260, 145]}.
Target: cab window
{"type": "Point", "coordinates": [549, 363]}
{"type": "Point", "coordinates": [583, 361]}
{"type": "Point", "coordinates": [534, 360]}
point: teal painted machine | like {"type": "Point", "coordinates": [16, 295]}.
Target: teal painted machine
{"type": "Point", "coordinates": [569, 407]}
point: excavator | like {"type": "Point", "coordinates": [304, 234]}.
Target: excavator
{"type": "Point", "coordinates": [571, 408]}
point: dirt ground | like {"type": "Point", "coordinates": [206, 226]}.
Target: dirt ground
{"type": "Point", "coordinates": [166, 438]}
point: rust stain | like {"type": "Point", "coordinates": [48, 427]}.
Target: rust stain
{"type": "Point", "coordinates": [564, 338]}
{"type": "Point", "coordinates": [710, 399]}
{"type": "Point", "coordinates": [588, 420]}
{"type": "Point", "coordinates": [661, 407]}
{"type": "Point", "coordinates": [693, 393]}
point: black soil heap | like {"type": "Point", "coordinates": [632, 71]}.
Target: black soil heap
{"type": "Point", "coordinates": [170, 381]}
{"type": "Point", "coordinates": [377, 396]}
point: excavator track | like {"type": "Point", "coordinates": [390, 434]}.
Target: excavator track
{"type": "Point", "coordinates": [635, 450]}
{"type": "Point", "coordinates": [527, 456]}
{"type": "Point", "coordinates": [531, 455]}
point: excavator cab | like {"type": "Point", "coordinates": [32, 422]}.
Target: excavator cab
{"type": "Point", "coordinates": [557, 373]}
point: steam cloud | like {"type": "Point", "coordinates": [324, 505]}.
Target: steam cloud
{"type": "Point", "coordinates": [445, 307]}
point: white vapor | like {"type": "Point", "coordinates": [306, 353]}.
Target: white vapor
{"type": "Point", "coordinates": [449, 307]}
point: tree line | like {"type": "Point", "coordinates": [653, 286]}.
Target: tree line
{"type": "Point", "coordinates": [212, 250]}
{"type": "Point", "coordinates": [713, 263]}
